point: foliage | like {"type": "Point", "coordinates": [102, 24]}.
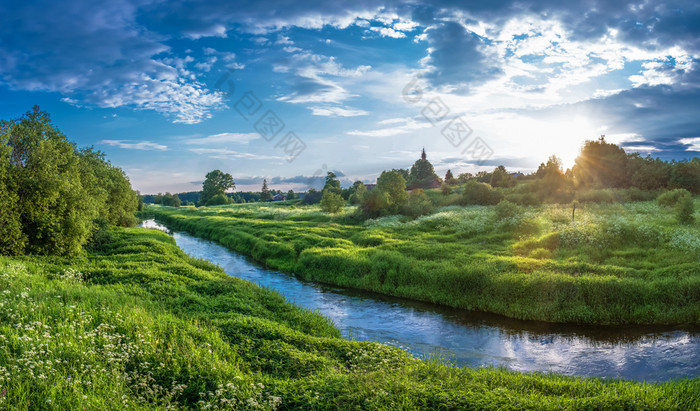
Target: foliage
{"type": "Point", "coordinates": [418, 204]}
{"type": "Point", "coordinates": [647, 173]}
{"type": "Point", "coordinates": [601, 164]}
{"type": "Point", "coordinates": [331, 202]}
{"type": "Point", "coordinates": [173, 200]}
{"type": "Point", "coordinates": [265, 194]}
{"type": "Point", "coordinates": [291, 195]}
{"type": "Point", "coordinates": [671, 198]}
{"type": "Point", "coordinates": [52, 193]}
{"type": "Point", "coordinates": [215, 182]}
{"type": "Point", "coordinates": [393, 185]}
{"type": "Point", "coordinates": [686, 174]}
{"type": "Point", "coordinates": [476, 193]}
{"type": "Point", "coordinates": [685, 209]}
{"type": "Point", "coordinates": [617, 264]}
{"type": "Point", "coordinates": [332, 183]}
{"type": "Point", "coordinates": [312, 196]}
{"type": "Point", "coordinates": [422, 174]}
{"type": "Point", "coordinates": [219, 199]}
{"type": "Point", "coordinates": [140, 325]}
{"type": "Point", "coordinates": [358, 192]}
{"type": "Point", "coordinates": [501, 178]}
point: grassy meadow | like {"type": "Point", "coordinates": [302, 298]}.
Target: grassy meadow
{"type": "Point", "coordinates": [618, 263]}
{"type": "Point", "coordinates": [135, 323]}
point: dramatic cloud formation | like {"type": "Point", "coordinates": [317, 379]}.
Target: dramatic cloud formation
{"type": "Point", "coordinates": [335, 73]}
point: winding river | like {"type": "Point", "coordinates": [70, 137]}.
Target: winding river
{"type": "Point", "coordinates": [470, 338]}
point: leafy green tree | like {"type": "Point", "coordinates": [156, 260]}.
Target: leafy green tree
{"type": "Point", "coordinates": [172, 200]}
{"type": "Point", "coordinates": [422, 174]}
{"type": "Point", "coordinates": [374, 203]}
{"type": "Point", "coordinates": [393, 185]}
{"type": "Point", "coordinates": [501, 178]}
{"type": "Point", "coordinates": [56, 210]}
{"type": "Point", "coordinates": [291, 195]}
{"type": "Point", "coordinates": [418, 204]}
{"type": "Point", "coordinates": [12, 240]}
{"type": "Point", "coordinates": [686, 174]}
{"type": "Point", "coordinates": [219, 199]}
{"type": "Point", "coordinates": [360, 190]}
{"type": "Point", "coordinates": [601, 164]}
{"type": "Point", "coordinates": [404, 173]}
{"type": "Point", "coordinates": [332, 183]}
{"type": "Point", "coordinates": [215, 183]}
{"type": "Point", "coordinates": [312, 196]}
{"type": "Point", "coordinates": [449, 178]}
{"type": "Point", "coordinates": [331, 202]}
{"type": "Point", "coordinates": [265, 194]}
{"type": "Point", "coordinates": [647, 173]}
{"type": "Point", "coordinates": [476, 193]}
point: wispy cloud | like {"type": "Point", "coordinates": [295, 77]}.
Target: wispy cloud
{"type": "Point", "coordinates": [226, 154]}
{"type": "Point", "coordinates": [224, 138]}
{"type": "Point", "coordinates": [134, 145]}
{"type": "Point", "coordinates": [692, 143]}
{"type": "Point", "coordinates": [332, 111]}
{"type": "Point", "coordinates": [397, 126]}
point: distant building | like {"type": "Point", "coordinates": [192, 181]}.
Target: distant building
{"type": "Point", "coordinates": [279, 197]}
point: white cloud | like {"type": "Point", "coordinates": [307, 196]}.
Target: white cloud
{"type": "Point", "coordinates": [388, 32]}
{"type": "Point", "coordinates": [134, 145]}
{"type": "Point", "coordinates": [693, 143]}
{"type": "Point", "coordinates": [399, 126]}
{"type": "Point", "coordinates": [331, 111]}
{"type": "Point", "coordinates": [225, 154]}
{"type": "Point", "coordinates": [217, 30]}
{"type": "Point", "coordinates": [284, 40]}
{"type": "Point", "coordinates": [225, 138]}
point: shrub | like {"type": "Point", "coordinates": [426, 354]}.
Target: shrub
{"type": "Point", "coordinates": [331, 202]}
{"type": "Point", "coordinates": [506, 209]}
{"type": "Point", "coordinates": [685, 209]}
{"type": "Point", "coordinates": [597, 196]}
{"type": "Point", "coordinates": [218, 199]}
{"type": "Point", "coordinates": [476, 193]}
{"type": "Point", "coordinates": [418, 204]}
{"type": "Point", "coordinates": [671, 198]}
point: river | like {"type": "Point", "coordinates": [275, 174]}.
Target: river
{"type": "Point", "coordinates": [469, 338]}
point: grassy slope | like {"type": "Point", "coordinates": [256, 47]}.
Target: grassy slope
{"type": "Point", "coordinates": [141, 325]}
{"type": "Point", "coordinates": [618, 264]}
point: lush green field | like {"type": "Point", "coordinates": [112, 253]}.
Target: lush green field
{"type": "Point", "coordinates": [617, 264]}
{"type": "Point", "coordinates": [139, 324]}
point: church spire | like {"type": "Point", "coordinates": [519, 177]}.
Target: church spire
{"type": "Point", "coordinates": [423, 156]}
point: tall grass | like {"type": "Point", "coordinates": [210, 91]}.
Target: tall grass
{"type": "Point", "coordinates": [136, 324]}
{"type": "Point", "coordinates": [617, 264]}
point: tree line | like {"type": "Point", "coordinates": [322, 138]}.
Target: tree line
{"type": "Point", "coordinates": [55, 196]}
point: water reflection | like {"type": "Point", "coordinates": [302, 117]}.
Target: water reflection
{"type": "Point", "coordinates": [471, 338]}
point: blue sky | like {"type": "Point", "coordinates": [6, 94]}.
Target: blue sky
{"type": "Point", "coordinates": [289, 90]}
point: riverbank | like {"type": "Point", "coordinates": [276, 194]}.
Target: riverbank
{"type": "Point", "coordinates": [619, 264]}
{"type": "Point", "coordinates": [139, 324]}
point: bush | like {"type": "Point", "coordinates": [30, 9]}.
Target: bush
{"type": "Point", "coordinates": [597, 196]}
{"type": "Point", "coordinates": [331, 202]}
{"type": "Point", "coordinates": [506, 209]}
{"type": "Point", "coordinates": [476, 193]}
{"type": "Point", "coordinates": [671, 198]}
{"type": "Point", "coordinates": [685, 209]}
{"type": "Point", "coordinates": [218, 199]}
{"type": "Point", "coordinates": [418, 204]}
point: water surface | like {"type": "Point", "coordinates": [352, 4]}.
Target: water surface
{"type": "Point", "coordinates": [471, 338]}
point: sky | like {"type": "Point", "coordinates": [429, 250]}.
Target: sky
{"type": "Point", "coordinates": [288, 90]}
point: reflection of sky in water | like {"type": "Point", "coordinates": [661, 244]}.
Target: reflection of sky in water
{"type": "Point", "coordinates": [475, 339]}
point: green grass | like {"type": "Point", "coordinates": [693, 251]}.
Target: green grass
{"type": "Point", "coordinates": [617, 264]}
{"type": "Point", "coordinates": [140, 325]}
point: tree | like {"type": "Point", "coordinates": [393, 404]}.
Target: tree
{"type": "Point", "coordinates": [172, 200]}
{"type": "Point", "coordinates": [686, 174]}
{"type": "Point", "coordinates": [291, 195]}
{"type": "Point", "coordinates": [216, 182]}
{"type": "Point", "coordinates": [476, 193]}
{"type": "Point", "coordinates": [219, 199]}
{"type": "Point", "coordinates": [393, 185]}
{"type": "Point", "coordinates": [501, 178]}
{"type": "Point", "coordinates": [360, 190]}
{"type": "Point", "coordinates": [647, 173]}
{"type": "Point", "coordinates": [418, 204]}
{"type": "Point", "coordinates": [12, 240]}
{"type": "Point", "coordinates": [332, 183]}
{"type": "Point", "coordinates": [265, 194]}
{"type": "Point", "coordinates": [51, 202]}
{"type": "Point", "coordinates": [449, 178]}
{"type": "Point", "coordinates": [311, 197]}
{"type": "Point", "coordinates": [331, 202]}
{"type": "Point", "coordinates": [422, 174]}
{"type": "Point", "coordinates": [601, 164]}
